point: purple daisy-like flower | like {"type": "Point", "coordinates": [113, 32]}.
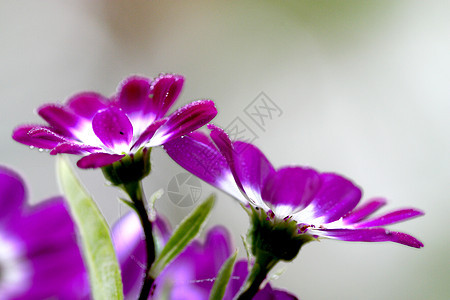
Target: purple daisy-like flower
{"type": "Point", "coordinates": [321, 204]}
{"type": "Point", "coordinates": [191, 275]}
{"type": "Point", "coordinates": [39, 254]}
{"type": "Point", "coordinates": [104, 130]}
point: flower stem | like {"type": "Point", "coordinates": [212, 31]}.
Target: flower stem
{"type": "Point", "coordinates": [136, 193]}
{"type": "Point", "coordinates": [260, 269]}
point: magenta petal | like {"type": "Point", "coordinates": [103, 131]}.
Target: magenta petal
{"type": "Point", "coordinates": [223, 143]}
{"type": "Point", "coordinates": [200, 159]}
{"type": "Point", "coordinates": [292, 186]}
{"type": "Point", "coordinates": [186, 119]}
{"type": "Point", "coordinates": [202, 138]}
{"type": "Point", "coordinates": [148, 133]}
{"type": "Point", "coordinates": [225, 146]}
{"type": "Point", "coordinates": [37, 136]}
{"type": "Point", "coordinates": [59, 117]}
{"type": "Point", "coordinates": [51, 245]}
{"type": "Point", "coordinates": [336, 197]}
{"type": "Point", "coordinates": [98, 160]}
{"type": "Point", "coordinates": [134, 94]}
{"type": "Point", "coordinates": [113, 127]}
{"type": "Point", "coordinates": [239, 275]}
{"type": "Point", "coordinates": [166, 89]}
{"type": "Point", "coordinates": [240, 272]}
{"type": "Point", "coordinates": [283, 295]}
{"type": "Point", "coordinates": [87, 104]}
{"type": "Point", "coordinates": [252, 168]}
{"type": "Point", "coordinates": [391, 218]}
{"type": "Point", "coordinates": [217, 247]}
{"type": "Point", "coordinates": [207, 259]}
{"type": "Point", "coordinates": [371, 235]}
{"type": "Point", "coordinates": [73, 148]}
{"type": "Point", "coordinates": [362, 212]}
{"type": "Point", "coordinates": [12, 194]}
{"type": "Point", "coordinates": [129, 243]}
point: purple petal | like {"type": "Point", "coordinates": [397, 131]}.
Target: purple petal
{"type": "Point", "coordinates": [252, 168]}
{"type": "Point", "coordinates": [292, 186]}
{"type": "Point", "coordinates": [362, 212]}
{"type": "Point", "coordinates": [12, 195]}
{"type": "Point", "coordinates": [148, 133]}
{"type": "Point", "coordinates": [203, 160]}
{"type": "Point", "coordinates": [238, 277]}
{"type": "Point", "coordinates": [163, 228]}
{"type": "Point", "coordinates": [336, 197]}
{"type": "Point", "coordinates": [225, 146]}
{"type": "Point", "coordinates": [134, 95]}
{"type": "Point", "coordinates": [37, 136]}
{"type": "Point", "coordinates": [87, 104]}
{"type": "Point", "coordinates": [370, 235]}
{"type": "Point", "coordinates": [73, 148]}
{"type": "Point", "coordinates": [391, 218]}
{"type": "Point", "coordinates": [61, 118]}
{"type": "Point", "coordinates": [283, 295]}
{"type": "Point", "coordinates": [127, 234]}
{"type": "Point", "coordinates": [129, 244]}
{"type": "Point", "coordinates": [223, 143]}
{"type": "Point", "coordinates": [202, 138]}
{"type": "Point", "coordinates": [49, 235]}
{"type": "Point", "coordinates": [166, 89]}
{"type": "Point", "coordinates": [113, 128]}
{"type": "Point", "coordinates": [98, 160]}
{"type": "Point", "coordinates": [186, 119]}
{"type": "Point", "coordinates": [214, 253]}
{"type": "Point", "coordinates": [186, 292]}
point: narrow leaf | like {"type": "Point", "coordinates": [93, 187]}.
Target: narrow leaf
{"type": "Point", "coordinates": [220, 285]}
{"type": "Point", "coordinates": [98, 250]}
{"type": "Point", "coordinates": [188, 229]}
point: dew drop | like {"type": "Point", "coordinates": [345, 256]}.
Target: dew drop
{"type": "Point", "coordinates": [32, 147]}
{"type": "Point", "coordinates": [41, 150]}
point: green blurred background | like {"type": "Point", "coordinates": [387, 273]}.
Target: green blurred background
{"type": "Point", "coordinates": [363, 87]}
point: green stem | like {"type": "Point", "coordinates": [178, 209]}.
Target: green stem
{"type": "Point", "coordinates": [263, 264]}
{"type": "Point", "coordinates": [136, 193]}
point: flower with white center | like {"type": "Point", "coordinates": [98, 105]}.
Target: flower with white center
{"type": "Point", "coordinates": [104, 130]}
{"type": "Point", "coordinates": [320, 204]}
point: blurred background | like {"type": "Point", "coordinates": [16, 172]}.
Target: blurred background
{"type": "Point", "coordinates": [361, 88]}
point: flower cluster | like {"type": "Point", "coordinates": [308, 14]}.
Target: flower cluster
{"type": "Point", "coordinates": [288, 207]}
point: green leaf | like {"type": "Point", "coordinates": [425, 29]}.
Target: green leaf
{"type": "Point", "coordinates": [99, 254]}
{"type": "Point", "coordinates": [188, 229]}
{"type": "Point", "coordinates": [219, 287]}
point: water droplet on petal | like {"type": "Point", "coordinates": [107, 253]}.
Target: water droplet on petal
{"type": "Point", "coordinates": [41, 150]}
{"type": "Point", "coordinates": [31, 147]}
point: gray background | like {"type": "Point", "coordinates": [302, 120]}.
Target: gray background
{"type": "Point", "coordinates": [363, 87]}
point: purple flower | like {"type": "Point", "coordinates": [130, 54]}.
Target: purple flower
{"type": "Point", "coordinates": [321, 204]}
{"type": "Point", "coordinates": [39, 255]}
{"type": "Point", "coordinates": [191, 275]}
{"type": "Point", "coordinates": [104, 130]}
